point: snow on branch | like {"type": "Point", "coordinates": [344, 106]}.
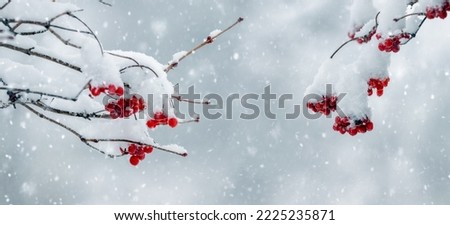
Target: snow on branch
{"type": "Point", "coordinates": [54, 66]}
{"type": "Point", "coordinates": [395, 24]}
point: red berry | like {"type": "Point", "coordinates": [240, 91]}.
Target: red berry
{"type": "Point", "coordinates": [132, 149]}
{"type": "Point", "coordinates": [430, 13]}
{"type": "Point", "coordinates": [443, 14]}
{"type": "Point", "coordinates": [380, 92]}
{"type": "Point", "coordinates": [134, 160]}
{"type": "Point", "coordinates": [173, 122]}
{"type": "Point", "coordinates": [119, 91]}
{"type": "Point", "coordinates": [152, 123]}
{"type": "Point", "coordinates": [360, 40]}
{"type": "Point", "coordinates": [352, 131]}
{"type": "Point", "coordinates": [148, 149]}
{"type": "Point", "coordinates": [111, 89]}
{"type": "Point", "coordinates": [369, 92]}
{"type": "Point", "coordinates": [369, 126]}
{"type": "Point", "coordinates": [95, 91]}
{"type": "Point", "coordinates": [381, 47]}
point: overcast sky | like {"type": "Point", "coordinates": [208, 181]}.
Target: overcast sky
{"type": "Point", "coordinates": [405, 160]}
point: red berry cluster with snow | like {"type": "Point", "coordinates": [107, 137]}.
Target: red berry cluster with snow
{"type": "Point", "coordinates": [438, 11]}
{"type": "Point", "coordinates": [137, 152]}
{"type": "Point", "coordinates": [393, 23]}
{"type": "Point", "coordinates": [325, 106]}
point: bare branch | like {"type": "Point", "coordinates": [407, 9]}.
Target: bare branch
{"type": "Point", "coordinates": [207, 41]}
{"type": "Point", "coordinates": [89, 141]}
{"type": "Point", "coordinates": [95, 36]}
{"type": "Point", "coordinates": [40, 55]}
{"type": "Point", "coordinates": [138, 66]}
{"type": "Point", "coordinates": [83, 115]}
{"type": "Point", "coordinates": [28, 91]}
{"type": "Point", "coordinates": [4, 5]}
{"type": "Point", "coordinates": [181, 99]}
{"type": "Point", "coordinates": [66, 42]}
{"type": "Point", "coordinates": [105, 3]}
{"type": "Point", "coordinates": [364, 37]}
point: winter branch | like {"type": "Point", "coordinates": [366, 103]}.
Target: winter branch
{"type": "Point", "coordinates": [207, 41]}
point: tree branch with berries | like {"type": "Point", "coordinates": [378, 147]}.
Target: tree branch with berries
{"type": "Point", "coordinates": [54, 66]}
{"type": "Point", "coordinates": [379, 32]}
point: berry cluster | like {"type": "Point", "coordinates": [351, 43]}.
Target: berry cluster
{"type": "Point", "coordinates": [325, 106]}
{"type": "Point", "coordinates": [111, 90]}
{"type": "Point", "coordinates": [344, 125]}
{"type": "Point", "coordinates": [378, 84]}
{"type": "Point", "coordinates": [392, 44]}
{"type": "Point", "coordinates": [161, 119]}
{"type": "Point", "coordinates": [137, 152]}
{"type": "Point", "coordinates": [438, 11]}
{"type": "Point", "coordinates": [125, 107]}
{"type": "Point", "coordinates": [366, 38]}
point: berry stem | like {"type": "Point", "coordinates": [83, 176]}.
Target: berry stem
{"type": "Point", "coordinates": [356, 38]}
{"type": "Point", "coordinates": [205, 42]}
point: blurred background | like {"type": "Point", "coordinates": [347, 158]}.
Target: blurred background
{"type": "Point", "coordinates": [405, 160]}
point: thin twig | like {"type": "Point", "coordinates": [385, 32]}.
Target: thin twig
{"type": "Point", "coordinates": [66, 42]}
{"type": "Point", "coordinates": [84, 140]}
{"type": "Point", "coordinates": [88, 141]}
{"type": "Point", "coordinates": [179, 98]}
{"type": "Point", "coordinates": [408, 15]}
{"type": "Point", "coordinates": [28, 91]}
{"type": "Point", "coordinates": [83, 115]}
{"type": "Point", "coordinates": [138, 66]}
{"type": "Point", "coordinates": [95, 36]}
{"type": "Point", "coordinates": [40, 55]}
{"type": "Point", "coordinates": [105, 3]}
{"type": "Point", "coordinates": [413, 35]}
{"type": "Point", "coordinates": [374, 28]}
{"type": "Point", "coordinates": [4, 5]}
{"type": "Point", "coordinates": [208, 40]}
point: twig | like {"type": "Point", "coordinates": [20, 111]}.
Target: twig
{"type": "Point", "coordinates": [28, 91]}
{"type": "Point", "coordinates": [105, 3]}
{"type": "Point", "coordinates": [66, 42]}
{"type": "Point", "coordinates": [83, 115]}
{"type": "Point", "coordinates": [4, 5]}
{"type": "Point", "coordinates": [179, 98]}
{"type": "Point", "coordinates": [88, 141]}
{"type": "Point", "coordinates": [374, 28]}
{"type": "Point", "coordinates": [408, 15]}
{"type": "Point", "coordinates": [413, 35]}
{"type": "Point", "coordinates": [84, 140]}
{"type": "Point", "coordinates": [95, 36]}
{"type": "Point", "coordinates": [40, 55]}
{"type": "Point", "coordinates": [208, 40]}
{"type": "Point", "coordinates": [138, 66]}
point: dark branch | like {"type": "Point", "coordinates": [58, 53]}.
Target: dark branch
{"type": "Point", "coordinates": [88, 141]}
{"type": "Point", "coordinates": [4, 5]}
{"type": "Point", "coordinates": [105, 3]}
{"type": "Point", "coordinates": [83, 115]}
{"type": "Point", "coordinates": [179, 98]}
{"type": "Point", "coordinates": [28, 91]}
{"type": "Point", "coordinates": [207, 41]}
{"type": "Point", "coordinates": [92, 32]}
{"type": "Point", "coordinates": [138, 66]}
{"type": "Point", "coordinates": [66, 42]}
{"type": "Point", "coordinates": [364, 37]}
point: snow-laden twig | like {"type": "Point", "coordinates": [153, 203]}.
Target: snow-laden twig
{"type": "Point", "coordinates": [28, 91]}
{"type": "Point", "coordinates": [84, 115]}
{"type": "Point", "coordinates": [207, 41]}
{"type": "Point", "coordinates": [90, 141]}
{"type": "Point", "coordinates": [356, 38]}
